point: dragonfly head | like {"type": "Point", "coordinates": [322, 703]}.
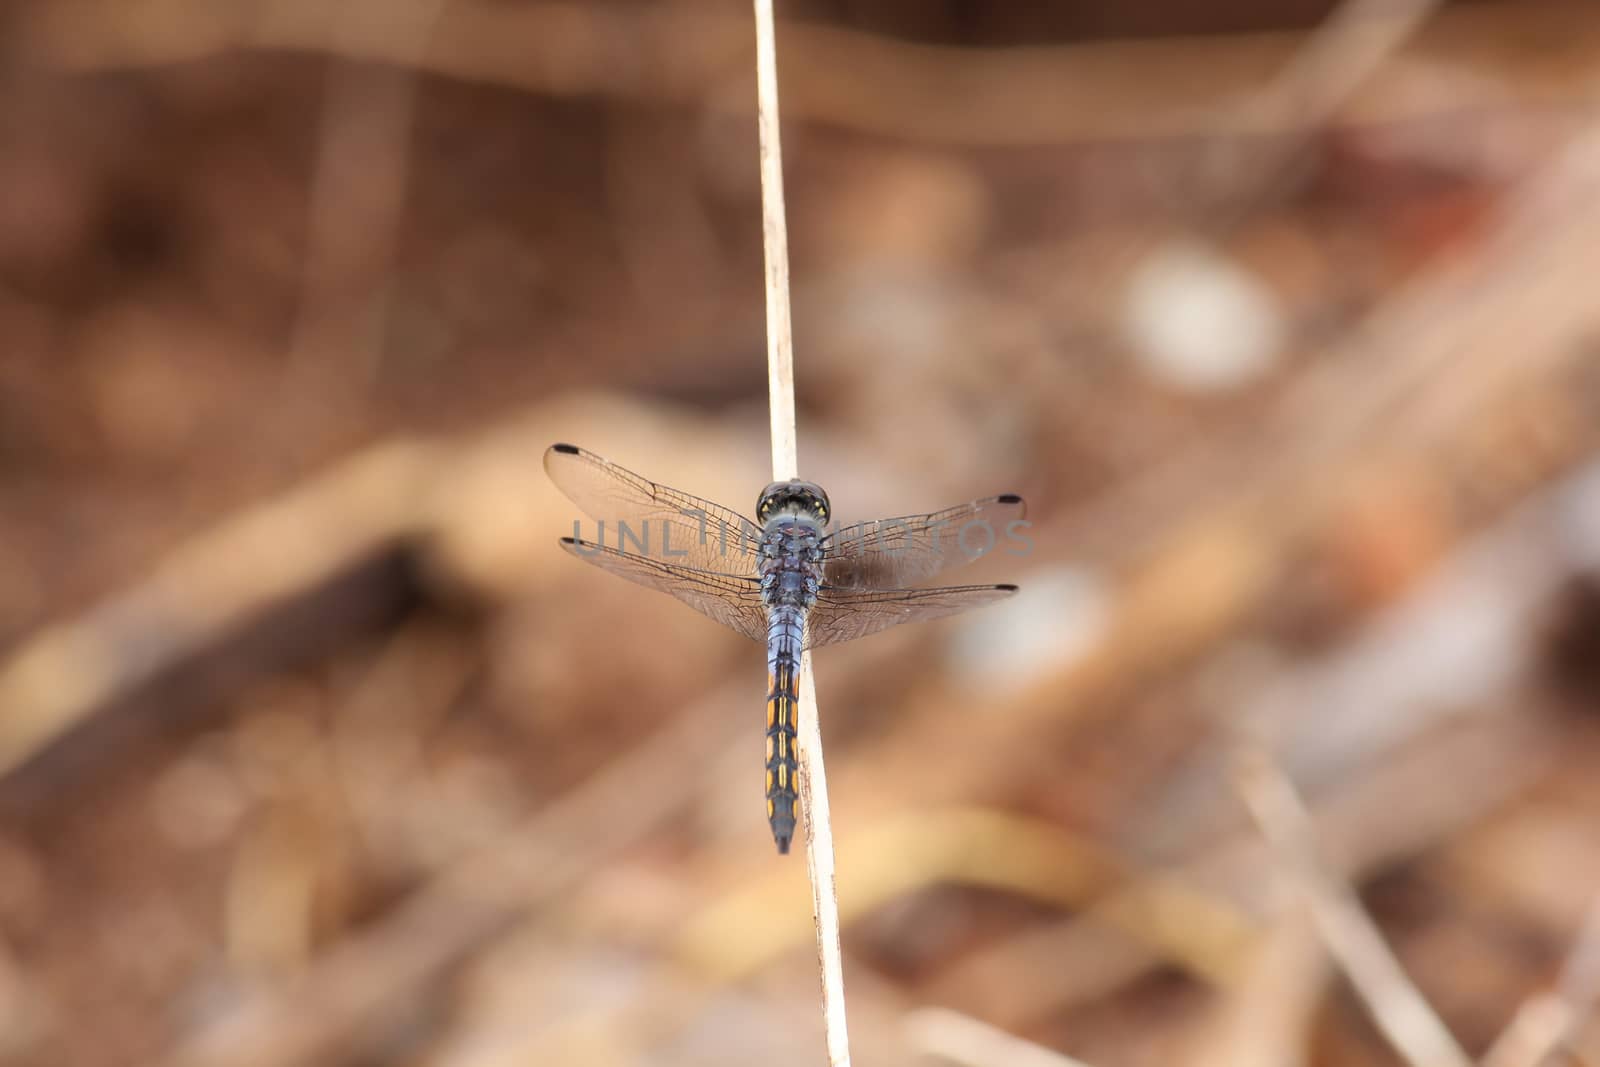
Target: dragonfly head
{"type": "Point", "coordinates": [802, 499]}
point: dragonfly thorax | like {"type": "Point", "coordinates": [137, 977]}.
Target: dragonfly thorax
{"type": "Point", "coordinates": [791, 562]}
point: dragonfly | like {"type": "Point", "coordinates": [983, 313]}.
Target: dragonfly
{"type": "Point", "coordinates": [791, 578]}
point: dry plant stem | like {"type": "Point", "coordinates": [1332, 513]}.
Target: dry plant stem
{"type": "Point", "coordinates": [357, 205]}
{"type": "Point", "coordinates": [1322, 75]}
{"type": "Point", "coordinates": [785, 465]}
{"type": "Point", "coordinates": [775, 246]}
{"type": "Point", "coordinates": [1266, 1017]}
{"type": "Point", "coordinates": [1398, 1008]}
{"type": "Point", "coordinates": [1546, 1023]}
{"type": "Point", "coordinates": [819, 862]}
{"type": "Point", "coordinates": [964, 1040]}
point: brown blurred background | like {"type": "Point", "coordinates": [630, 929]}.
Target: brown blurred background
{"type": "Point", "coordinates": [316, 751]}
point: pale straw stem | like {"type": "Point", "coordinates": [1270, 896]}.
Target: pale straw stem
{"type": "Point", "coordinates": [786, 465]}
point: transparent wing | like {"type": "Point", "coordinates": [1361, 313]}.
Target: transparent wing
{"type": "Point", "coordinates": [731, 599]}
{"type": "Point", "coordinates": [699, 534]}
{"type": "Point", "coordinates": [846, 614]}
{"type": "Point", "coordinates": [897, 553]}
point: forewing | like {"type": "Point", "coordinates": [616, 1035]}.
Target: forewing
{"type": "Point", "coordinates": [897, 553]}
{"type": "Point", "coordinates": [703, 536]}
{"type": "Point", "coordinates": [846, 614]}
{"type": "Point", "coordinates": [731, 599]}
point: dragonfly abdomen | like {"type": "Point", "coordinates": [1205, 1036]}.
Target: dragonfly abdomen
{"type": "Point", "coordinates": [785, 633]}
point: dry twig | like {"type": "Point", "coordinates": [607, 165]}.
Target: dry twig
{"type": "Point", "coordinates": [785, 465]}
{"type": "Point", "coordinates": [358, 193]}
{"type": "Point", "coordinates": [965, 1040]}
{"type": "Point", "coordinates": [1266, 1019]}
{"type": "Point", "coordinates": [1546, 1023]}
{"type": "Point", "coordinates": [1396, 1005]}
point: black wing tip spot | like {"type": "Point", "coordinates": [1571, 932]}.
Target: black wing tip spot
{"type": "Point", "coordinates": [1004, 498]}
{"type": "Point", "coordinates": [1006, 588]}
{"type": "Point", "coordinates": [569, 540]}
{"type": "Point", "coordinates": [565, 449]}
